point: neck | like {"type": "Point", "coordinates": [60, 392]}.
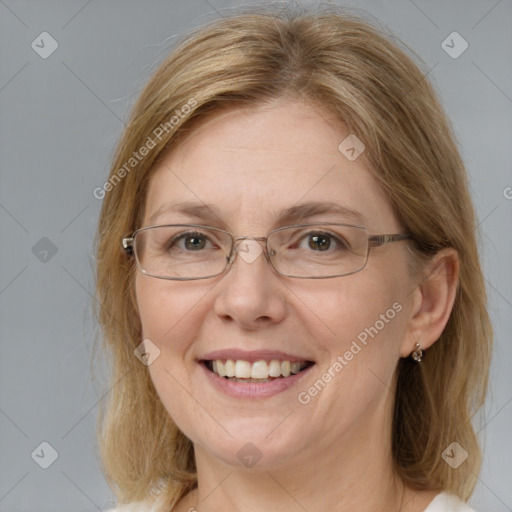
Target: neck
{"type": "Point", "coordinates": [286, 490]}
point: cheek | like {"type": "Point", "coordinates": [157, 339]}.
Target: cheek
{"type": "Point", "coordinates": [358, 329]}
{"type": "Point", "coordinates": [169, 313]}
{"type": "Point", "coordinates": [359, 318]}
{"type": "Point", "coordinates": [169, 310]}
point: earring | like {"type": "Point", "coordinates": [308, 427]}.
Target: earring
{"type": "Point", "coordinates": [417, 354]}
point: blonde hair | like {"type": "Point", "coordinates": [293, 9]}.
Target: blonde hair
{"type": "Point", "coordinates": [355, 71]}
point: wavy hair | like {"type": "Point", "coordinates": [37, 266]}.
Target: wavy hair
{"type": "Point", "coordinates": [360, 74]}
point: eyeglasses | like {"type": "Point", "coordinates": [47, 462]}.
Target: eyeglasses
{"type": "Point", "coordinates": [309, 251]}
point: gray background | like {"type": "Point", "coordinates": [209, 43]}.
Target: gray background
{"type": "Point", "coordinates": [60, 119]}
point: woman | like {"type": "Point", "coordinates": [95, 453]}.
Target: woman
{"type": "Point", "coordinates": [297, 316]}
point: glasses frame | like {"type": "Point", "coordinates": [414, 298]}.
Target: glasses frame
{"type": "Point", "coordinates": [128, 244]}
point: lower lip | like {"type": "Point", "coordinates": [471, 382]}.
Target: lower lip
{"type": "Point", "coordinates": [254, 389]}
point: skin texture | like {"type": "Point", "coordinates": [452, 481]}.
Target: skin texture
{"type": "Point", "coordinates": [333, 453]}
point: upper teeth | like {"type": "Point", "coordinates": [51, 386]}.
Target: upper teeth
{"type": "Point", "coordinates": [241, 369]}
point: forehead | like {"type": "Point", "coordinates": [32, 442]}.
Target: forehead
{"type": "Point", "coordinates": [252, 164]}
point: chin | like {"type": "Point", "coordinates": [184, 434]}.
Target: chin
{"type": "Point", "coordinates": [256, 444]}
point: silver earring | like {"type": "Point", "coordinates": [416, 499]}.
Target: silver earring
{"type": "Point", "coordinates": [417, 354]}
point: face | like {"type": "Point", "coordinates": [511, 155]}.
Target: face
{"type": "Point", "coordinates": [250, 166]}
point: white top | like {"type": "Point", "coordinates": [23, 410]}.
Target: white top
{"type": "Point", "coordinates": [443, 502]}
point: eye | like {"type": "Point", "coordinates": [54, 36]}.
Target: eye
{"type": "Point", "coordinates": [194, 242]}
{"type": "Point", "coordinates": [322, 241]}
{"type": "Point", "coordinates": [319, 241]}
{"type": "Point", "coordinates": [191, 241]}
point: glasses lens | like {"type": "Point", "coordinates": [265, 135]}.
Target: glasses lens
{"type": "Point", "coordinates": [323, 250]}
{"type": "Point", "coordinates": [182, 251]}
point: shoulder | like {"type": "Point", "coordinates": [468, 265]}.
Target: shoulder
{"type": "Point", "coordinates": [139, 506]}
{"type": "Point", "coordinates": [446, 502]}
{"type": "Point", "coordinates": [443, 502]}
{"type": "Point", "coordinates": [131, 507]}
{"type": "Point", "coordinates": [156, 502]}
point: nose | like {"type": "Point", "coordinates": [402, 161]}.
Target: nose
{"type": "Point", "coordinates": [251, 294]}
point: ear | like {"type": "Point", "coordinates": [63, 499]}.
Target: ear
{"type": "Point", "coordinates": [432, 302]}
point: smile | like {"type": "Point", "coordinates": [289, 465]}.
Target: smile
{"type": "Point", "coordinates": [261, 371]}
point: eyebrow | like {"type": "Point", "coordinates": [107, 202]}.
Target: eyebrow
{"type": "Point", "coordinates": [303, 211]}
{"type": "Point", "coordinates": [190, 209]}
{"type": "Point", "coordinates": [296, 213]}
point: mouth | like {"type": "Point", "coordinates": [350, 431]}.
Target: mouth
{"type": "Point", "coordinates": [261, 371]}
